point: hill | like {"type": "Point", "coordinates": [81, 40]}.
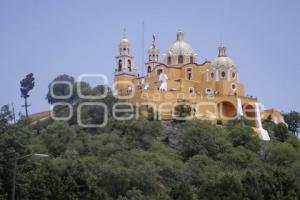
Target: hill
{"type": "Point", "coordinates": [142, 159]}
{"type": "Point", "coordinates": [145, 160]}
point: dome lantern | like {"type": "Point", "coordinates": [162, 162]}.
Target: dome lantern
{"type": "Point", "coordinates": [180, 52]}
{"type": "Point", "coordinates": [222, 50]}
{"type": "Point", "coordinates": [180, 35]}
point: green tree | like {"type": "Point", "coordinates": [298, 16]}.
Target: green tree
{"type": "Point", "coordinates": [281, 132]}
{"type": "Point", "coordinates": [181, 191]}
{"type": "Point", "coordinates": [202, 137]}
{"type": "Point", "coordinates": [58, 137]}
{"type": "Point", "coordinates": [252, 187]}
{"type": "Point", "coordinates": [293, 120]}
{"type": "Point", "coordinates": [183, 109]}
{"type": "Point", "coordinates": [60, 87]}
{"type": "Point", "coordinates": [26, 85]}
{"type": "Point", "coordinates": [5, 117]}
{"type": "Point", "coordinates": [227, 187]}
{"type": "Point", "coordinates": [241, 135]}
{"type": "Point", "coordinates": [281, 154]}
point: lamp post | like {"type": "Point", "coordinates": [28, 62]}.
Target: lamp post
{"type": "Point", "coordinates": [13, 192]}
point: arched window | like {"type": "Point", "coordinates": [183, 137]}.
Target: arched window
{"type": "Point", "coordinates": [180, 59]}
{"type": "Point", "coordinates": [129, 65]}
{"type": "Point", "coordinates": [191, 90]}
{"type": "Point", "coordinates": [191, 59]}
{"type": "Point", "coordinates": [120, 66]}
{"type": "Point", "coordinates": [212, 75]}
{"type": "Point", "coordinates": [189, 73]}
{"type": "Point", "coordinates": [233, 86]}
{"type": "Point", "coordinates": [169, 60]}
{"type": "Point", "coordinates": [233, 75]}
{"type": "Point", "coordinates": [149, 69]}
{"type": "Point", "coordinates": [223, 74]}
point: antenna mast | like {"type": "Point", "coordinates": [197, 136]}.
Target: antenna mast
{"type": "Point", "coordinates": [143, 48]}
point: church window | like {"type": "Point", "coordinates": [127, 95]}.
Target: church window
{"type": "Point", "coordinates": [233, 86]}
{"type": "Point", "coordinates": [169, 60]}
{"type": "Point", "coordinates": [129, 65]}
{"type": "Point", "coordinates": [159, 71]}
{"type": "Point", "coordinates": [191, 90]}
{"type": "Point", "coordinates": [191, 59]}
{"type": "Point", "coordinates": [212, 75]}
{"type": "Point", "coordinates": [223, 74]}
{"type": "Point", "coordinates": [180, 59]}
{"type": "Point", "coordinates": [120, 66]}
{"type": "Point", "coordinates": [149, 69]}
{"type": "Point", "coordinates": [208, 90]}
{"type": "Point", "coordinates": [233, 75]}
{"type": "Point", "coordinates": [189, 73]}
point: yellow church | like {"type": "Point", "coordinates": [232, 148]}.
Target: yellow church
{"type": "Point", "coordinates": [212, 88]}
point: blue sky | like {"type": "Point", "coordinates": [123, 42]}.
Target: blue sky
{"type": "Point", "coordinates": [72, 37]}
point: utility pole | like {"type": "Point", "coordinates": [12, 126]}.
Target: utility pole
{"type": "Point", "coordinates": [13, 112]}
{"type": "Point", "coordinates": [13, 189]}
{"type": "Point", "coordinates": [143, 49]}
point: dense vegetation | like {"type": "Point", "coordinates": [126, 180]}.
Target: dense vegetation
{"type": "Point", "coordinates": [147, 160]}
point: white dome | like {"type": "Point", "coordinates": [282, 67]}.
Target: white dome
{"type": "Point", "coordinates": [222, 61]}
{"type": "Point", "coordinates": [124, 42]}
{"type": "Point", "coordinates": [180, 47]}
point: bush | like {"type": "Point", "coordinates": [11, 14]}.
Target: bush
{"type": "Point", "coordinates": [244, 136]}
{"type": "Point", "coordinates": [281, 132]}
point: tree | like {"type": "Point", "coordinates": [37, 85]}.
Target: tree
{"type": "Point", "coordinates": [293, 120]}
{"type": "Point", "coordinates": [281, 132]}
{"type": "Point", "coordinates": [5, 116]}
{"type": "Point", "coordinates": [241, 135]}
{"type": "Point", "coordinates": [181, 191]}
{"type": "Point", "coordinates": [252, 187]}
{"type": "Point", "coordinates": [227, 187]}
{"type": "Point", "coordinates": [27, 84]}
{"type": "Point", "coordinates": [202, 137]}
{"type": "Point", "coordinates": [281, 154]}
{"type": "Point", "coordinates": [60, 86]}
{"type": "Point", "coordinates": [183, 110]}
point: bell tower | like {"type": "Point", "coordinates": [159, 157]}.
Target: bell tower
{"type": "Point", "coordinates": [125, 58]}
{"type": "Point", "coordinates": [153, 56]}
{"type": "Point", "coordinates": [125, 71]}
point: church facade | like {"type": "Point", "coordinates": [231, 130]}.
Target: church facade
{"type": "Point", "coordinates": [212, 88]}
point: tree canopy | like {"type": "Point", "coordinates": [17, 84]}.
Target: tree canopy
{"type": "Point", "coordinates": [133, 160]}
